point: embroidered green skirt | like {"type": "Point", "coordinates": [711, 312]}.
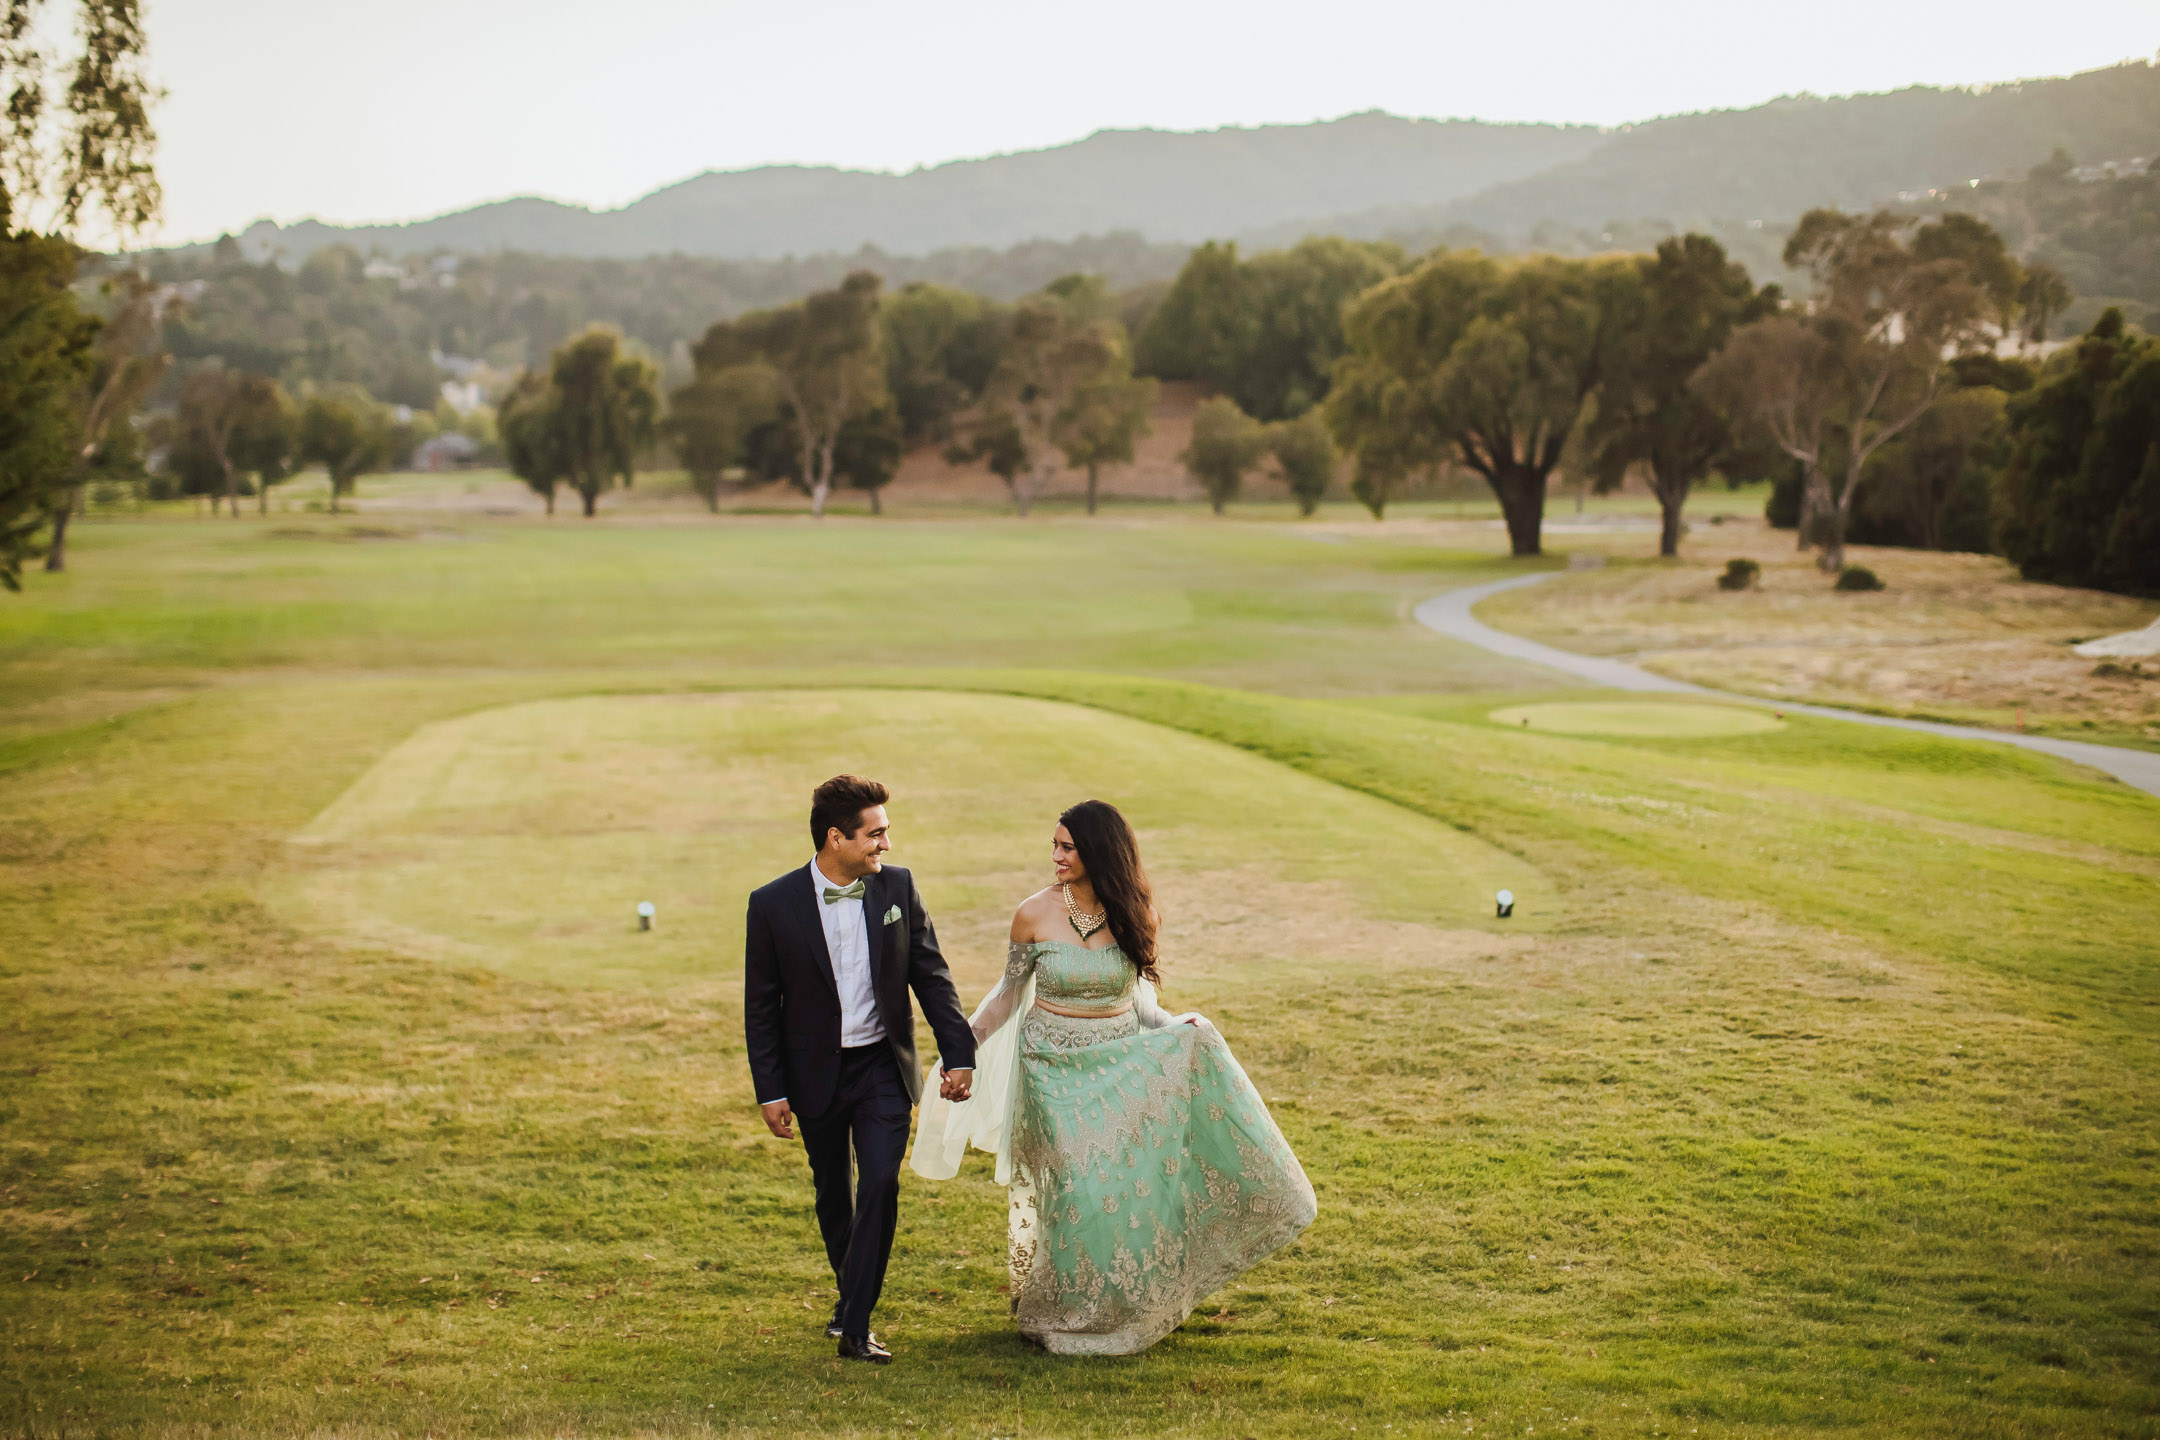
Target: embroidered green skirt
{"type": "Point", "coordinates": [1146, 1175]}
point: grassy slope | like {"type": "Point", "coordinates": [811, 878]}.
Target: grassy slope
{"type": "Point", "coordinates": [1823, 1105]}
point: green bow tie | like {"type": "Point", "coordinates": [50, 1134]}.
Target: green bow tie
{"type": "Point", "coordinates": [852, 892]}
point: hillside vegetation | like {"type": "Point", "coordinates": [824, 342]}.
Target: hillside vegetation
{"type": "Point", "coordinates": [1366, 176]}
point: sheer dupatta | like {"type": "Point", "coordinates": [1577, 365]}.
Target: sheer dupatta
{"type": "Point", "coordinates": [984, 1120]}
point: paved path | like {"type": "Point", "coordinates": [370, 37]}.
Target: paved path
{"type": "Point", "coordinates": [1450, 615]}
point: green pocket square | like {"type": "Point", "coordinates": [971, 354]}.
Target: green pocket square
{"type": "Point", "coordinates": [892, 914]}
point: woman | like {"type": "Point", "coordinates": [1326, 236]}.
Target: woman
{"type": "Point", "coordinates": [1145, 1172]}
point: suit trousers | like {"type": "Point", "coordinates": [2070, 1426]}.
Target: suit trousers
{"type": "Point", "coordinates": [855, 1150]}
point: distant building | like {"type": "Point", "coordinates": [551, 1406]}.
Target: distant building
{"type": "Point", "coordinates": [2112, 169]}
{"type": "Point", "coordinates": [447, 451]}
{"type": "Point", "coordinates": [463, 396]}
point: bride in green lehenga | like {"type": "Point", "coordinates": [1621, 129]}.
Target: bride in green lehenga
{"type": "Point", "coordinates": [1145, 1172]}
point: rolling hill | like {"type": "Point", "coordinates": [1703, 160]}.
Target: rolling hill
{"type": "Point", "coordinates": [1365, 174]}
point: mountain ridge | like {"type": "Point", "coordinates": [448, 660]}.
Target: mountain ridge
{"type": "Point", "coordinates": [1364, 173]}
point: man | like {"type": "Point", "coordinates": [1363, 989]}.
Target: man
{"type": "Point", "coordinates": [830, 953]}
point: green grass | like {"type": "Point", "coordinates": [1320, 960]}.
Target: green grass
{"type": "Point", "coordinates": [1638, 719]}
{"type": "Point", "coordinates": [1810, 1092]}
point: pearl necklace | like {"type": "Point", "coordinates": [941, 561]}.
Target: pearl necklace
{"type": "Point", "coordinates": [1086, 925]}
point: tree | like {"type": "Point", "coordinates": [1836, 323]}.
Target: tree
{"type": "Point", "coordinates": [46, 356]}
{"type": "Point", "coordinates": [995, 440]}
{"type": "Point", "coordinates": [1893, 297]}
{"type": "Point", "coordinates": [1263, 331]}
{"type": "Point", "coordinates": [1648, 413]}
{"type": "Point", "coordinates": [265, 441]}
{"type": "Point", "coordinates": [823, 354]}
{"type": "Point", "coordinates": [1777, 376]}
{"type": "Point", "coordinates": [1305, 457]}
{"type": "Point", "coordinates": [1479, 360]}
{"type": "Point", "coordinates": [710, 419]}
{"type": "Point", "coordinates": [1057, 351]}
{"type": "Point", "coordinates": [211, 401]}
{"type": "Point", "coordinates": [1226, 442]}
{"type": "Point", "coordinates": [606, 405]}
{"type": "Point", "coordinates": [940, 347]}
{"type": "Point", "coordinates": [532, 440]}
{"type": "Point", "coordinates": [1204, 327]}
{"type": "Point", "coordinates": [126, 367]}
{"type": "Point", "coordinates": [86, 150]}
{"type": "Point", "coordinates": [2042, 297]}
{"type": "Point", "coordinates": [1107, 414]}
{"type": "Point", "coordinates": [89, 148]}
{"type": "Point", "coordinates": [867, 453]}
{"type": "Point", "coordinates": [2079, 501]}
{"type": "Point", "coordinates": [1930, 487]}
{"type": "Point", "coordinates": [344, 430]}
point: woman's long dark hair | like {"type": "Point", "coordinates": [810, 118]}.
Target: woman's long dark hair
{"type": "Point", "coordinates": [1111, 856]}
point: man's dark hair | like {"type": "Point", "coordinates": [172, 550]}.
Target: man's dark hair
{"type": "Point", "coordinates": [838, 804]}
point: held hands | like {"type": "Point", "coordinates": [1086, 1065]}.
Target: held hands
{"type": "Point", "coordinates": [955, 1085]}
{"type": "Point", "coordinates": [779, 1119]}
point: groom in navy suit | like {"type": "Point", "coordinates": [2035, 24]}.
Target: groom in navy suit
{"type": "Point", "coordinates": [831, 951]}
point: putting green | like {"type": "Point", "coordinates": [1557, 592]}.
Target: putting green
{"type": "Point", "coordinates": [1640, 719]}
{"type": "Point", "coordinates": [523, 838]}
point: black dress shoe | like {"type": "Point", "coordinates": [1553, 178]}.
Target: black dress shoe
{"type": "Point", "coordinates": [832, 1326]}
{"type": "Point", "coordinates": [864, 1347]}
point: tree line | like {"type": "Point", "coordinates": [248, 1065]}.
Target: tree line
{"type": "Point", "coordinates": [1877, 396]}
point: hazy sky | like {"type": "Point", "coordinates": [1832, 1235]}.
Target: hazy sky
{"type": "Point", "coordinates": [396, 109]}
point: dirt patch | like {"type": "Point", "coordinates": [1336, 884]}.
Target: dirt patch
{"type": "Point", "coordinates": [1957, 636]}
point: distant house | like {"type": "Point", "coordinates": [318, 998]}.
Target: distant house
{"type": "Point", "coordinates": [447, 451]}
{"type": "Point", "coordinates": [463, 396]}
{"type": "Point", "coordinates": [2113, 170]}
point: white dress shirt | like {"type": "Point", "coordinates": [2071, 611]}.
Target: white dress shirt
{"type": "Point", "coordinates": [847, 941]}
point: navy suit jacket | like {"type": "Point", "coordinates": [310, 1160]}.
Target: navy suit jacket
{"type": "Point", "coordinates": [791, 1003]}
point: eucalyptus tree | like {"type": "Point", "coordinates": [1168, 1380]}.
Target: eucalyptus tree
{"type": "Point", "coordinates": [1648, 411]}
{"type": "Point", "coordinates": [823, 354]}
{"type": "Point", "coordinates": [75, 150]}
{"type": "Point", "coordinates": [1059, 352]}
{"type": "Point", "coordinates": [1892, 298]}
{"type": "Point", "coordinates": [75, 139]}
{"type": "Point", "coordinates": [1483, 361]}
{"type": "Point", "coordinates": [128, 362]}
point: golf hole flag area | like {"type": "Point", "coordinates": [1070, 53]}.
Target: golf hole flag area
{"type": "Point", "coordinates": [525, 838]}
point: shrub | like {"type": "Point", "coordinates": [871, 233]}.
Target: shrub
{"type": "Point", "coordinates": [1858, 577]}
{"type": "Point", "coordinates": [1739, 575]}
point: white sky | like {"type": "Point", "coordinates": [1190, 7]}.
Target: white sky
{"type": "Point", "coordinates": [396, 109]}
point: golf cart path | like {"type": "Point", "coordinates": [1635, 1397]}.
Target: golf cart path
{"type": "Point", "coordinates": [1450, 615]}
